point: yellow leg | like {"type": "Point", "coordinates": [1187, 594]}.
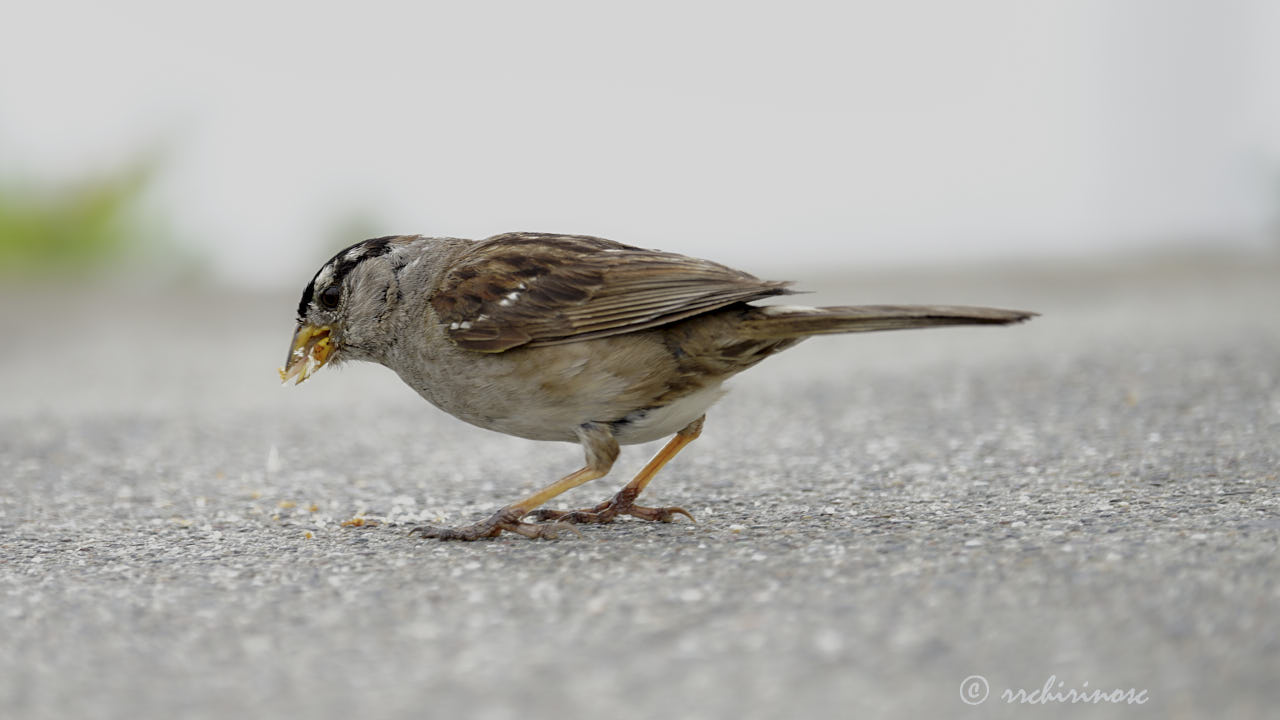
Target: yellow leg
{"type": "Point", "coordinates": [601, 450]}
{"type": "Point", "coordinates": [624, 502]}
{"type": "Point", "coordinates": [564, 484]}
{"type": "Point", "coordinates": [664, 456]}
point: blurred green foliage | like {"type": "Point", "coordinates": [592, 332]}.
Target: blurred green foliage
{"type": "Point", "coordinates": [79, 228]}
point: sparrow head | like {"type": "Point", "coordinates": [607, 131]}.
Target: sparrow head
{"type": "Point", "coordinates": [342, 309]}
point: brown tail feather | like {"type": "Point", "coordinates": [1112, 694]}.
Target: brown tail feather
{"type": "Point", "coordinates": [784, 321]}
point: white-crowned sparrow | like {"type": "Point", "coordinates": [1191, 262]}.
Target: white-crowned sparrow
{"type": "Point", "coordinates": [565, 337]}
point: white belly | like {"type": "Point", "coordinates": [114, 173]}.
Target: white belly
{"type": "Point", "coordinates": [658, 423]}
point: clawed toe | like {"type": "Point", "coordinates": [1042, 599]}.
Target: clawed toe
{"type": "Point", "coordinates": [505, 520]}
{"type": "Point", "coordinates": [607, 512]}
{"type": "Point", "coordinates": [481, 530]}
{"type": "Point", "coordinates": [659, 514]}
{"type": "Point", "coordinates": [570, 516]}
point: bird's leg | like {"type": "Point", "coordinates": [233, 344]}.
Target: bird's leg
{"type": "Point", "coordinates": [624, 502]}
{"type": "Point", "coordinates": [601, 450]}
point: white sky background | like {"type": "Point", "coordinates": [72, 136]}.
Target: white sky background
{"type": "Point", "coordinates": [769, 136]}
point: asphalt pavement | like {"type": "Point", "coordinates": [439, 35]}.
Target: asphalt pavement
{"type": "Point", "coordinates": [947, 523]}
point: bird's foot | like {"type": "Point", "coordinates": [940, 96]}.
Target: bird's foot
{"type": "Point", "coordinates": [621, 504]}
{"type": "Point", "coordinates": [507, 519]}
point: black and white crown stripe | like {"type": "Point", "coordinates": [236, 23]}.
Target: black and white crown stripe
{"type": "Point", "coordinates": [337, 268]}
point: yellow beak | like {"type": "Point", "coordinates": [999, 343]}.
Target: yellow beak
{"type": "Point", "coordinates": [310, 351]}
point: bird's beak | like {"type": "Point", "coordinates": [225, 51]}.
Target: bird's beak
{"type": "Point", "coordinates": [311, 349]}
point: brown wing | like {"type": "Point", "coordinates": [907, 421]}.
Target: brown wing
{"type": "Point", "coordinates": [532, 289]}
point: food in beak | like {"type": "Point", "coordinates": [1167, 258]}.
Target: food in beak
{"type": "Point", "coordinates": [310, 351]}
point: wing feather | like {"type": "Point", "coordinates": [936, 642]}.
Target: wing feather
{"type": "Point", "coordinates": [533, 289]}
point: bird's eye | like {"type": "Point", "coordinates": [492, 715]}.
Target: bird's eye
{"type": "Point", "coordinates": [329, 297]}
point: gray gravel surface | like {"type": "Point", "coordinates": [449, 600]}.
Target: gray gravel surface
{"type": "Point", "coordinates": [1091, 497]}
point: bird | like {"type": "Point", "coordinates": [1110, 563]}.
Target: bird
{"type": "Point", "coordinates": [568, 338]}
